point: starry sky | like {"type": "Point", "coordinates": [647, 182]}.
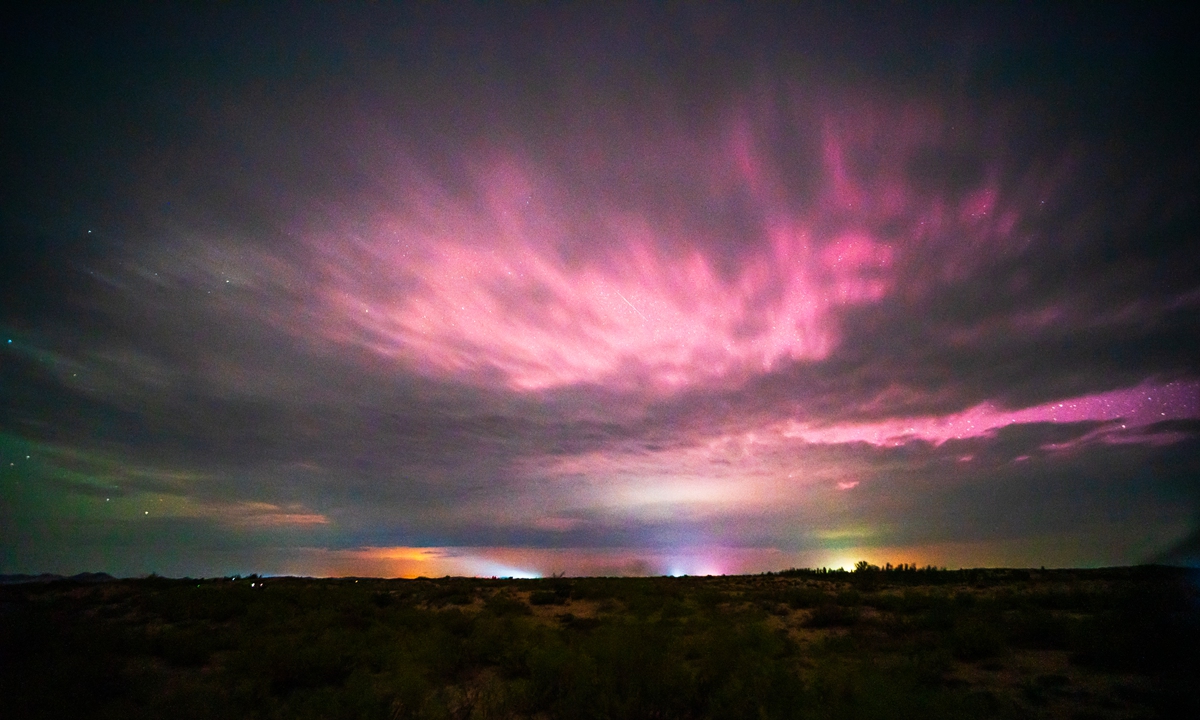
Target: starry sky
{"type": "Point", "coordinates": [632, 289]}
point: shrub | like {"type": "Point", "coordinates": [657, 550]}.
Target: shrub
{"type": "Point", "coordinates": [190, 647]}
{"type": "Point", "coordinates": [503, 604]}
{"type": "Point", "coordinates": [1040, 629]}
{"type": "Point", "coordinates": [802, 598]}
{"type": "Point", "coordinates": [546, 597]}
{"type": "Point", "coordinates": [977, 640]}
{"type": "Point", "coordinates": [849, 598]}
{"type": "Point", "coordinates": [831, 615]}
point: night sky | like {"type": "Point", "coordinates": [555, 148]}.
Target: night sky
{"type": "Point", "coordinates": [597, 289]}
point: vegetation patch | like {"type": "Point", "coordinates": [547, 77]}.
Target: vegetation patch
{"type": "Point", "coordinates": [875, 643]}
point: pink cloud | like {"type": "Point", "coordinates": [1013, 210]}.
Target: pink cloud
{"type": "Point", "coordinates": [1134, 407]}
{"type": "Point", "coordinates": [494, 296]}
{"type": "Point", "coordinates": [520, 281]}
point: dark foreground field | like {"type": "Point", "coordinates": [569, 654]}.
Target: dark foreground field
{"type": "Point", "coordinates": [869, 644]}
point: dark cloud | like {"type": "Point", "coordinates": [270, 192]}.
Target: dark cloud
{"type": "Point", "coordinates": [649, 280]}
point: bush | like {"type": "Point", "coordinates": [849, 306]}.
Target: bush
{"type": "Point", "coordinates": [546, 597]}
{"type": "Point", "coordinates": [831, 615]}
{"type": "Point", "coordinates": [1040, 629]}
{"type": "Point", "coordinates": [191, 647]}
{"type": "Point", "coordinates": [802, 598]}
{"type": "Point", "coordinates": [849, 598]}
{"type": "Point", "coordinates": [977, 640]}
{"type": "Point", "coordinates": [502, 604]}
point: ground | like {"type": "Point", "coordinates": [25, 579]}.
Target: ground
{"type": "Point", "coordinates": [1117, 643]}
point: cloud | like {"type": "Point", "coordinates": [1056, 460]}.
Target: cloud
{"type": "Point", "coordinates": [594, 302]}
{"type": "Point", "coordinates": [1131, 409]}
{"type": "Point", "coordinates": [485, 291]}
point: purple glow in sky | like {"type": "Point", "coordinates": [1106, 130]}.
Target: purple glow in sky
{"type": "Point", "coordinates": [1124, 412]}
{"type": "Point", "coordinates": [639, 290]}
